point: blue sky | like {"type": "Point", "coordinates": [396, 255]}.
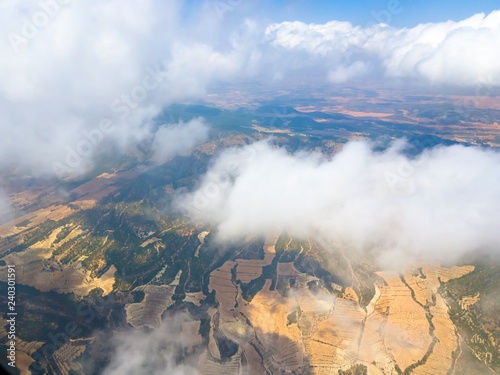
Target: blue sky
{"type": "Point", "coordinates": [403, 13]}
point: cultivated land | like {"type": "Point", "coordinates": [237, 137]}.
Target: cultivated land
{"type": "Point", "coordinates": [401, 329]}
{"type": "Point", "coordinates": [103, 251]}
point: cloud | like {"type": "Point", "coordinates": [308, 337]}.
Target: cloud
{"type": "Point", "coordinates": [439, 205]}
{"type": "Point", "coordinates": [156, 352]}
{"type": "Point", "coordinates": [348, 72]}
{"type": "Point", "coordinates": [75, 77]}
{"type": "Point", "coordinates": [178, 139]}
{"type": "Point", "coordinates": [70, 69]}
{"type": "Point", "coordinates": [453, 53]}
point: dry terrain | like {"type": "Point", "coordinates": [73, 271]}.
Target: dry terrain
{"type": "Point", "coordinates": [404, 327]}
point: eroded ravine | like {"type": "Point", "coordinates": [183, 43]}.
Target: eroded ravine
{"type": "Point", "coordinates": [432, 328]}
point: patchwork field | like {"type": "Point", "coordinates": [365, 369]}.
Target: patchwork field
{"type": "Point", "coordinates": [405, 327]}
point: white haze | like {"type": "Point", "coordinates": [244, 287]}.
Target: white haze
{"type": "Point", "coordinates": [178, 139]}
{"type": "Point", "coordinates": [154, 352]}
{"type": "Point", "coordinates": [70, 76]}
{"type": "Point", "coordinates": [5, 209]}
{"type": "Point", "coordinates": [439, 206]}
{"type": "Point", "coordinates": [95, 73]}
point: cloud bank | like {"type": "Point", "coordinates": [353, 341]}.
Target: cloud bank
{"type": "Point", "coordinates": [440, 205]}
{"type": "Point", "coordinates": [462, 53]}
{"type": "Point", "coordinates": [75, 76]}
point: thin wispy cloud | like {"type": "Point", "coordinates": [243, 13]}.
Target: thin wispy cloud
{"type": "Point", "coordinates": [162, 351]}
{"type": "Point", "coordinates": [5, 207]}
{"type": "Point", "coordinates": [178, 139]}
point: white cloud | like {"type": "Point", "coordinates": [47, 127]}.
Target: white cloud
{"type": "Point", "coordinates": [155, 352]}
{"type": "Point", "coordinates": [319, 39]}
{"type": "Point", "coordinates": [68, 67]}
{"type": "Point", "coordinates": [463, 53]}
{"type": "Point", "coordinates": [178, 139]}
{"type": "Point", "coordinates": [438, 206]}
